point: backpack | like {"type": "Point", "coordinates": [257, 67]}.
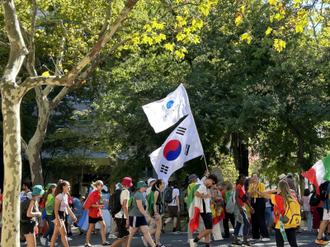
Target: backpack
{"type": "Point", "coordinates": [114, 203]}
{"type": "Point", "coordinates": [292, 216]}
{"type": "Point", "coordinates": [230, 204]}
{"type": "Point", "coordinates": [169, 196]}
{"type": "Point", "coordinates": [130, 203]}
{"type": "Point", "coordinates": [24, 208]}
{"type": "Point", "coordinates": [316, 199]}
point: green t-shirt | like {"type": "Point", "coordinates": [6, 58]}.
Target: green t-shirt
{"type": "Point", "coordinates": [135, 210]}
{"type": "Point", "coordinates": [50, 203]}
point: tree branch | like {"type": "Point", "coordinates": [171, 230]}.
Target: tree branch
{"type": "Point", "coordinates": [102, 41]}
{"type": "Point", "coordinates": [47, 90]}
{"type": "Point", "coordinates": [30, 63]}
{"type": "Point", "coordinates": [107, 18]}
{"type": "Point", "coordinates": [5, 44]}
{"type": "Point", "coordinates": [24, 145]}
{"type": "Point", "coordinates": [18, 49]}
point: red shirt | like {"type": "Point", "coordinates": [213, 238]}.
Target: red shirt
{"type": "Point", "coordinates": [223, 193]}
{"type": "Point", "coordinates": [94, 198]}
{"type": "Point", "coordinates": [241, 194]}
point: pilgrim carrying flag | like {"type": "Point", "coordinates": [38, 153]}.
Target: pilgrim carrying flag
{"type": "Point", "coordinates": [319, 173]}
{"type": "Point", "coordinates": [166, 112]}
{"type": "Point", "coordinates": [182, 145]}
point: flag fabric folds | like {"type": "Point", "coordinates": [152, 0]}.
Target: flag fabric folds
{"type": "Point", "coordinates": [182, 145]}
{"type": "Point", "coordinates": [319, 173]}
{"type": "Point", "coordinates": [166, 112]}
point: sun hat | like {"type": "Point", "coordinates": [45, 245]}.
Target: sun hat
{"type": "Point", "coordinates": [105, 188]}
{"type": "Point", "coordinates": [141, 184]}
{"type": "Point", "coordinates": [127, 182]}
{"type": "Point", "coordinates": [282, 176]}
{"type": "Point", "coordinates": [37, 190]}
{"type": "Point", "coordinates": [192, 177]}
{"type": "Point", "coordinates": [151, 180]}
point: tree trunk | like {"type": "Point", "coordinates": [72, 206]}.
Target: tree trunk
{"type": "Point", "coordinates": [33, 150]}
{"type": "Point", "coordinates": [12, 168]}
{"type": "Point", "coordinates": [241, 154]}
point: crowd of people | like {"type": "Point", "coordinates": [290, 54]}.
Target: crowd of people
{"type": "Point", "coordinates": [249, 208]}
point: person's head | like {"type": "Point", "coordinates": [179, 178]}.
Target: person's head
{"type": "Point", "coordinates": [211, 180]}
{"type": "Point", "coordinates": [132, 189]}
{"type": "Point", "coordinates": [193, 178]}
{"type": "Point", "coordinates": [26, 186]}
{"type": "Point", "coordinates": [37, 191]}
{"type": "Point", "coordinates": [255, 177]}
{"type": "Point", "coordinates": [142, 186]}
{"type": "Point", "coordinates": [229, 185]}
{"type": "Point", "coordinates": [82, 199]}
{"type": "Point", "coordinates": [307, 192]}
{"type": "Point", "coordinates": [62, 186]}
{"type": "Point", "coordinates": [220, 185]}
{"type": "Point", "coordinates": [151, 182]}
{"type": "Point", "coordinates": [127, 182]}
{"type": "Point", "coordinates": [51, 190]}
{"type": "Point", "coordinates": [98, 185]}
{"type": "Point", "coordinates": [241, 179]}
{"type": "Point", "coordinates": [289, 176]}
{"type": "Point", "coordinates": [283, 186]}
{"type": "Point", "coordinates": [175, 184]}
{"type": "Point", "coordinates": [282, 177]}
{"type": "Point", "coordinates": [160, 185]}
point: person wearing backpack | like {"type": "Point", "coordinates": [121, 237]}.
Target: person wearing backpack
{"type": "Point", "coordinates": [226, 193]}
{"type": "Point", "coordinates": [240, 212]}
{"type": "Point", "coordinates": [122, 218]}
{"type": "Point", "coordinates": [94, 203]}
{"type": "Point", "coordinates": [155, 205]}
{"type": "Point", "coordinates": [138, 217]}
{"type": "Point", "coordinates": [173, 207]}
{"type": "Point", "coordinates": [49, 207]}
{"type": "Point", "coordinates": [29, 214]}
{"type": "Point", "coordinates": [326, 213]}
{"type": "Point", "coordinates": [286, 213]}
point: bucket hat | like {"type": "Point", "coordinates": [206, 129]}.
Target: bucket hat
{"type": "Point", "coordinates": [141, 184]}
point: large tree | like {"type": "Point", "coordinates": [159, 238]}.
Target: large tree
{"type": "Point", "coordinates": [80, 35]}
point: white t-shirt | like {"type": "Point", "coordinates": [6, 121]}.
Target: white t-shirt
{"type": "Point", "coordinates": [175, 193]}
{"type": "Point", "coordinates": [148, 191]}
{"type": "Point", "coordinates": [64, 202]}
{"type": "Point", "coordinates": [124, 195]}
{"type": "Point", "coordinates": [204, 191]}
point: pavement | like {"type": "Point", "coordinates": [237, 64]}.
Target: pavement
{"type": "Point", "coordinates": [180, 240]}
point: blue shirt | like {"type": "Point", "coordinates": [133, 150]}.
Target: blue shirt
{"type": "Point", "coordinates": [105, 196]}
{"type": "Point", "coordinates": [77, 204]}
{"type": "Point", "coordinates": [326, 203]}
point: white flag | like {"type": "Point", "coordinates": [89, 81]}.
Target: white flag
{"type": "Point", "coordinates": [182, 145]}
{"type": "Point", "coordinates": [166, 112]}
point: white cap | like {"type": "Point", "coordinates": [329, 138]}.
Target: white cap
{"type": "Point", "coordinates": [151, 180]}
{"type": "Point", "coordinates": [105, 188]}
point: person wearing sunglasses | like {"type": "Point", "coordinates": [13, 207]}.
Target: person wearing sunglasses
{"type": "Point", "coordinates": [94, 204]}
{"type": "Point", "coordinates": [204, 194]}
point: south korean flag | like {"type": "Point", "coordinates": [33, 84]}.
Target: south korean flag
{"type": "Point", "coordinates": [182, 145]}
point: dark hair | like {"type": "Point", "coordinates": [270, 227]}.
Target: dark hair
{"type": "Point", "coordinates": [240, 175]}
{"type": "Point", "coordinates": [59, 188]}
{"type": "Point", "coordinates": [158, 183]}
{"type": "Point", "coordinates": [306, 192]}
{"type": "Point", "coordinates": [49, 191]}
{"type": "Point", "coordinates": [27, 184]}
{"type": "Point", "coordinates": [175, 184]}
{"type": "Point", "coordinates": [213, 177]}
{"type": "Point", "coordinates": [254, 173]}
{"type": "Point", "coordinates": [132, 189]}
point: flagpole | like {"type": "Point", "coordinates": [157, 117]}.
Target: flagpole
{"type": "Point", "coordinates": [192, 116]}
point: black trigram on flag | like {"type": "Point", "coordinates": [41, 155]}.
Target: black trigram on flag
{"type": "Point", "coordinates": [164, 169]}
{"type": "Point", "coordinates": [181, 131]}
{"type": "Point", "coordinates": [187, 150]}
